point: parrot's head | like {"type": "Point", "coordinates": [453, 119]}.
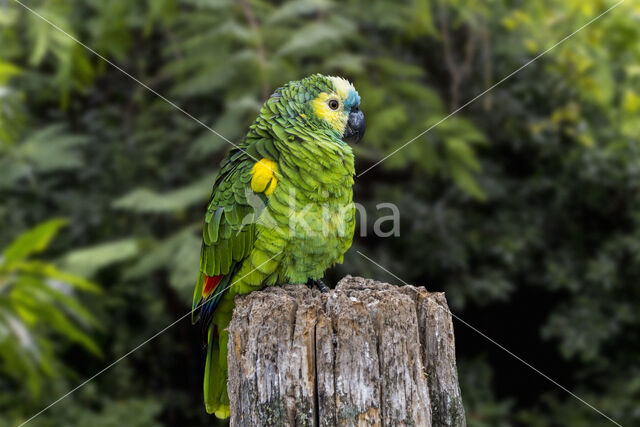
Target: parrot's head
{"type": "Point", "coordinates": [337, 104]}
{"type": "Point", "coordinates": [329, 103]}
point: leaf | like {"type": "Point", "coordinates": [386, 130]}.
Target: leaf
{"type": "Point", "coordinates": [397, 69]}
{"type": "Point", "coordinates": [51, 272]}
{"type": "Point", "coordinates": [8, 16]}
{"type": "Point", "coordinates": [40, 33]}
{"type": "Point", "coordinates": [37, 299]}
{"type": "Point", "coordinates": [45, 150]}
{"type": "Point", "coordinates": [148, 201]}
{"type": "Point", "coordinates": [33, 241]}
{"type": "Point", "coordinates": [7, 70]}
{"type": "Point", "coordinates": [346, 62]}
{"type": "Point", "coordinates": [466, 182]}
{"type": "Point", "coordinates": [316, 37]}
{"type": "Point", "coordinates": [294, 10]}
{"type": "Point", "coordinates": [421, 19]}
{"type": "Point", "coordinates": [61, 324]}
{"type": "Point", "coordinates": [179, 253]}
{"type": "Point", "coordinates": [460, 152]}
{"type": "Point", "coordinates": [88, 261]}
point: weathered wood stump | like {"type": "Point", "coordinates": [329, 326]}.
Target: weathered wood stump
{"type": "Point", "coordinates": [366, 353]}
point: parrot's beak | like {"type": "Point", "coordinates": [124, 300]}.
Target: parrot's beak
{"type": "Point", "coordinates": [355, 126]}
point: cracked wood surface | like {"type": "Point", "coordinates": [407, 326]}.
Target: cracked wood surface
{"type": "Point", "coordinates": [365, 353]}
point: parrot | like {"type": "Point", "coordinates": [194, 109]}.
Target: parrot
{"type": "Point", "coordinates": [281, 210]}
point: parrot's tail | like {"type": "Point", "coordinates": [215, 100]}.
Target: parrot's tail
{"type": "Point", "coordinates": [216, 398]}
{"type": "Point", "coordinates": [214, 312]}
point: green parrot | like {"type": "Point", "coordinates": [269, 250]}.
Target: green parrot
{"type": "Point", "coordinates": [281, 209]}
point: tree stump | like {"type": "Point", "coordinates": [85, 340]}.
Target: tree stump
{"type": "Point", "coordinates": [365, 353]}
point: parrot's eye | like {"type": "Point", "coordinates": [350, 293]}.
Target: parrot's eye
{"type": "Point", "coordinates": [333, 104]}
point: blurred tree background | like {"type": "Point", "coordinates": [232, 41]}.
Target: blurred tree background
{"type": "Point", "coordinates": [524, 207]}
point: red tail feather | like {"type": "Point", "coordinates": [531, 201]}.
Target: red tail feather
{"type": "Point", "coordinates": [210, 284]}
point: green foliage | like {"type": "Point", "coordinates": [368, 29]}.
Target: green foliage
{"type": "Point", "coordinates": [46, 150]}
{"type": "Point", "coordinates": [143, 200]}
{"type": "Point", "coordinates": [173, 254]}
{"type": "Point", "coordinates": [112, 413]}
{"type": "Point", "coordinates": [481, 410]}
{"type": "Point", "coordinates": [87, 261]}
{"type": "Point", "coordinates": [38, 301]}
{"type": "Point", "coordinates": [522, 206]}
{"type": "Point", "coordinates": [134, 413]}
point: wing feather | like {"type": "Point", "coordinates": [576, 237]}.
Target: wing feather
{"type": "Point", "coordinates": [228, 230]}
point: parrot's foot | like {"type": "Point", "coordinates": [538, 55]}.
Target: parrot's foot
{"type": "Point", "coordinates": [318, 284]}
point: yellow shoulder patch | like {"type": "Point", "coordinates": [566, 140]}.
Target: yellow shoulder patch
{"type": "Point", "coordinates": [263, 177]}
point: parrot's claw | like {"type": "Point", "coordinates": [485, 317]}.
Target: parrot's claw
{"type": "Point", "coordinates": [321, 286]}
{"type": "Point", "coordinates": [318, 284]}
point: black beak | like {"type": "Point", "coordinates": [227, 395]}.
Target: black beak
{"type": "Point", "coordinates": [355, 126]}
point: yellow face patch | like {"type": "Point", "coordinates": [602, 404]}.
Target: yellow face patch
{"type": "Point", "coordinates": [322, 106]}
{"type": "Point", "coordinates": [336, 118]}
{"type": "Point", "coordinates": [263, 177]}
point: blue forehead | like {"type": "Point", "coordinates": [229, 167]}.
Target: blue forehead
{"type": "Point", "coordinates": [352, 99]}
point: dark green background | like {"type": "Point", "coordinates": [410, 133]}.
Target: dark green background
{"type": "Point", "coordinates": [524, 207]}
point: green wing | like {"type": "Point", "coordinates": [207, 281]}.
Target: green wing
{"type": "Point", "coordinates": [227, 233]}
{"type": "Point", "coordinates": [229, 227]}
